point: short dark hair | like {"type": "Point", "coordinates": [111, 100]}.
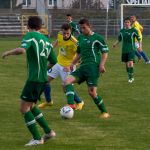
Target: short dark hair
{"type": "Point", "coordinates": [127, 18]}
{"type": "Point", "coordinates": [66, 26]}
{"type": "Point", "coordinates": [69, 15]}
{"type": "Point", "coordinates": [84, 21]}
{"type": "Point", "coordinates": [35, 22]}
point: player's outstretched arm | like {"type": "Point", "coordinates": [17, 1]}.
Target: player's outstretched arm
{"type": "Point", "coordinates": [17, 51]}
{"type": "Point", "coordinates": [74, 62]}
{"type": "Point", "coordinates": [102, 63]}
{"type": "Point", "coordinates": [55, 44]}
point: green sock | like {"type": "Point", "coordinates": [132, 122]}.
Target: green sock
{"type": "Point", "coordinates": [130, 72]}
{"type": "Point", "coordinates": [70, 94]}
{"type": "Point", "coordinates": [100, 104]}
{"type": "Point", "coordinates": [31, 124]}
{"type": "Point", "coordinates": [40, 119]}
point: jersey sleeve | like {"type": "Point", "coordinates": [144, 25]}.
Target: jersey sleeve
{"type": "Point", "coordinates": [52, 57]}
{"type": "Point", "coordinates": [138, 26]}
{"type": "Point", "coordinates": [26, 41]}
{"type": "Point", "coordinates": [136, 34]}
{"type": "Point", "coordinates": [102, 45]}
{"type": "Point", "coordinates": [78, 47]}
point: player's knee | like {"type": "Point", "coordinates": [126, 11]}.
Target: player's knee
{"type": "Point", "coordinates": [68, 80]}
{"type": "Point", "coordinates": [92, 93]}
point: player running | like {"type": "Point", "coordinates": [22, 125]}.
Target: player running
{"type": "Point", "coordinates": [74, 26]}
{"type": "Point", "coordinates": [139, 52]}
{"type": "Point", "coordinates": [38, 51]}
{"type": "Point", "coordinates": [127, 35]}
{"type": "Point", "coordinates": [67, 45]}
{"type": "Point", "coordinates": [92, 50]}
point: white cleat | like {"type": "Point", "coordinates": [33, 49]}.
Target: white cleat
{"type": "Point", "coordinates": [148, 62]}
{"type": "Point", "coordinates": [48, 136]}
{"type": "Point", "coordinates": [35, 142]}
{"type": "Point", "coordinates": [131, 80]}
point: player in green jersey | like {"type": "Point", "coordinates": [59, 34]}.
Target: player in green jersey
{"type": "Point", "coordinates": [93, 52]}
{"type": "Point", "coordinates": [127, 35]}
{"type": "Point", "coordinates": [74, 26]}
{"type": "Point", "coordinates": [38, 51]}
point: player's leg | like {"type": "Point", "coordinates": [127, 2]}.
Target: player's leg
{"type": "Point", "coordinates": [138, 55]}
{"type": "Point", "coordinates": [52, 74]}
{"type": "Point", "coordinates": [26, 104]}
{"type": "Point", "coordinates": [143, 54]}
{"type": "Point", "coordinates": [79, 103]}
{"type": "Point", "coordinates": [98, 101]}
{"type": "Point", "coordinates": [39, 116]}
{"type": "Point", "coordinates": [130, 71]}
{"type": "Point", "coordinates": [92, 72]}
{"type": "Point", "coordinates": [70, 90]}
{"type": "Point", "coordinates": [47, 94]}
{"type": "Point", "coordinates": [30, 123]}
{"type": "Point", "coordinates": [63, 74]}
{"type": "Point", "coordinates": [43, 123]}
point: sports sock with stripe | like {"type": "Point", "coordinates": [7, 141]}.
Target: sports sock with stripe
{"type": "Point", "coordinates": [31, 124]}
{"type": "Point", "coordinates": [40, 119]}
{"type": "Point", "coordinates": [70, 94]}
{"type": "Point", "coordinates": [100, 104]}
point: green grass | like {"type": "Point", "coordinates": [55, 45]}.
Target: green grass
{"type": "Point", "coordinates": [127, 129]}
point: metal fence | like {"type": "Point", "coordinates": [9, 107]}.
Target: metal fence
{"type": "Point", "coordinates": [99, 26]}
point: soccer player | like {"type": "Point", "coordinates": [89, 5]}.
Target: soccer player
{"type": "Point", "coordinates": [127, 35]}
{"type": "Point", "coordinates": [139, 52]}
{"type": "Point", "coordinates": [73, 25]}
{"type": "Point", "coordinates": [38, 51]}
{"type": "Point", "coordinates": [67, 45]}
{"type": "Point", "coordinates": [92, 50]}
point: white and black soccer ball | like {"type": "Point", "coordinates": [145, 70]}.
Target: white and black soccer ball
{"type": "Point", "coordinates": [66, 112]}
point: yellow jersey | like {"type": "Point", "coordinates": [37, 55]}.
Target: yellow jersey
{"type": "Point", "coordinates": [67, 50]}
{"type": "Point", "coordinates": [139, 28]}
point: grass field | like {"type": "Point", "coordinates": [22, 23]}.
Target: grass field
{"type": "Point", "coordinates": [129, 106]}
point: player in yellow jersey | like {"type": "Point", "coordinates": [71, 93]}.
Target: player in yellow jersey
{"type": "Point", "coordinates": [139, 28]}
{"type": "Point", "coordinates": [67, 45]}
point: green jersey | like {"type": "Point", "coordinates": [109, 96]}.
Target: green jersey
{"type": "Point", "coordinates": [90, 48]}
{"type": "Point", "coordinates": [127, 36]}
{"type": "Point", "coordinates": [38, 52]}
{"type": "Point", "coordinates": [74, 28]}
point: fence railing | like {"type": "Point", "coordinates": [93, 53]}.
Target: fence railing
{"type": "Point", "coordinates": [99, 26]}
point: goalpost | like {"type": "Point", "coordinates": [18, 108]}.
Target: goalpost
{"type": "Point", "coordinates": [130, 5]}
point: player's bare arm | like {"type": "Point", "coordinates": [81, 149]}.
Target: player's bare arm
{"type": "Point", "coordinates": [55, 44]}
{"type": "Point", "coordinates": [102, 63]}
{"type": "Point", "coordinates": [74, 62]}
{"type": "Point", "coordinates": [17, 51]}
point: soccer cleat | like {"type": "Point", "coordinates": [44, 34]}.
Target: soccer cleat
{"type": "Point", "coordinates": [105, 115]}
{"type": "Point", "coordinates": [48, 136]}
{"type": "Point", "coordinates": [131, 80]}
{"type": "Point", "coordinates": [35, 142]}
{"type": "Point", "coordinates": [45, 104]}
{"type": "Point", "coordinates": [79, 106]}
{"type": "Point", "coordinates": [73, 106]}
{"type": "Point", "coordinates": [148, 62]}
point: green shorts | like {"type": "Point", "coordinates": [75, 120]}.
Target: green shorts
{"type": "Point", "coordinates": [89, 73]}
{"type": "Point", "coordinates": [128, 57]}
{"type": "Point", "coordinates": [32, 91]}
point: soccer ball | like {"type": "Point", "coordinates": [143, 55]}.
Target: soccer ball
{"type": "Point", "coordinates": [66, 112]}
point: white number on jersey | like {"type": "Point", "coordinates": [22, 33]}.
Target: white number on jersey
{"type": "Point", "coordinates": [45, 50]}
